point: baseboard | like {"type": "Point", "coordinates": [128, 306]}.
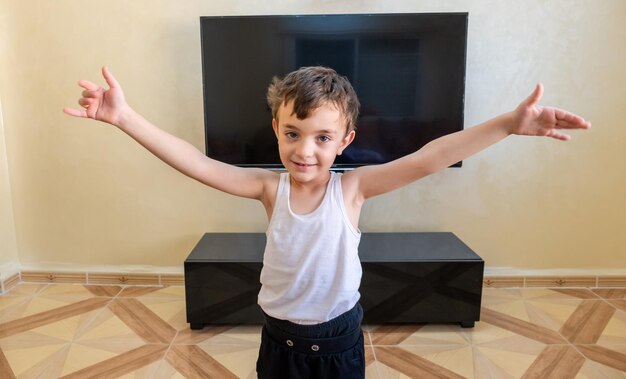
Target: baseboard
{"type": "Point", "coordinates": [95, 275]}
{"type": "Point", "coordinates": [9, 282]}
{"type": "Point", "coordinates": [511, 277]}
{"type": "Point", "coordinates": [494, 277]}
{"type": "Point", "coordinates": [100, 278]}
{"type": "Point", "coordinates": [9, 275]}
{"type": "Point", "coordinates": [563, 281]}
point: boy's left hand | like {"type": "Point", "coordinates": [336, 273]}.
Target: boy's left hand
{"type": "Point", "coordinates": [532, 119]}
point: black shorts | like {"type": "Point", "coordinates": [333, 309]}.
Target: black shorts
{"type": "Point", "coordinates": [333, 349]}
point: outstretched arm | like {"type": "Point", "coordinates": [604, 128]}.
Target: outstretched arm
{"type": "Point", "coordinates": [110, 106]}
{"type": "Point", "coordinates": [529, 118]}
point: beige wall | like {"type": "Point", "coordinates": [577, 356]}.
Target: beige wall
{"type": "Point", "coordinates": [84, 194]}
{"type": "Point", "coordinates": [9, 262]}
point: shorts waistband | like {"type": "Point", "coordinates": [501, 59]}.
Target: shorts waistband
{"type": "Point", "coordinates": [336, 335]}
{"type": "Point", "coordinates": [314, 346]}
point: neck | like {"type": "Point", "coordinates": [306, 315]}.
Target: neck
{"type": "Point", "coordinates": [311, 185]}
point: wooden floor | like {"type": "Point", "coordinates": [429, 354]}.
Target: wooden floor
{"type": "Point", "coordinates": [77, 331]}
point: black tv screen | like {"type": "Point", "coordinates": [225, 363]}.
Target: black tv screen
{"type": "Point", "coordinates": [408, 71]}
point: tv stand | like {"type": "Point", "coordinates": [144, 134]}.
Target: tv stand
{"type": "Point", "coordinates": [407, 278]}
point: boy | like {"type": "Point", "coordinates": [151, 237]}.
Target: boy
{"type": "Point", "coordinates": [311, 271]}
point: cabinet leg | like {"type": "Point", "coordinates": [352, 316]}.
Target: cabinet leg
{"type": "Point", "coordinates": [466, 324]}
{"type": "Point", "coordinates": [196, 325]}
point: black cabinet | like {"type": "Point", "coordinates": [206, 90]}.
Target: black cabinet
{"type": "Point", "coordinates": [407, 278]}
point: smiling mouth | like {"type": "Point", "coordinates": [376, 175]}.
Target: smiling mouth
{"type": "Point", "coordinates": [303, 164]}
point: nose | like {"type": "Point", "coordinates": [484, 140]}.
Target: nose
{"type": "Point", "coordinates": [305, 148]}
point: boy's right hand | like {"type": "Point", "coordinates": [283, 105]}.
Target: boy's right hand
{"type": "Point", "coordinates": [100, 104]}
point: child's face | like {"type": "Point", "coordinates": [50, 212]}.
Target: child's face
{"type": "Point", "coordinates": [308, 147]}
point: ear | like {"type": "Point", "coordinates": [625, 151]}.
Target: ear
{"type": "Point", "coordinates": [346, 141]}
{"type": "Point", "coordinates": [275, 127]}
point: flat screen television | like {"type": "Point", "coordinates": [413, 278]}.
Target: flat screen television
{"type": "Point", "coordinates": [408, 71]}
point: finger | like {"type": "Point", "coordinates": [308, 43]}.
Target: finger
{"type": "Point", "coordinates": [85, 102]}
{"type": "Point", "coordinates": [560, 136]}
{"type": "Point", "coordinates": [90, 86]}
{"type": "Point", "coordinates": [534, 97]}
{"type": "Point", "coordinates": [91, 94]}
{"type": "Point", "coordinates": [111, 81]}
{"type": "Point", "coordinates": [570, 121]}
{"type": "Point", "coordinates": [572, 125]}
{"type": "Point", "coordinates": [75, 112]}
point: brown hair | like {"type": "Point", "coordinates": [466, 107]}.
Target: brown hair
{"type": "Point", "coordinates": [312, 87]}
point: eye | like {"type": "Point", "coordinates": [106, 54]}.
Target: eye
{"type": "Point", "coordinates": [324, 139]}
{"type": "Point", "coordinates": [291, 135]}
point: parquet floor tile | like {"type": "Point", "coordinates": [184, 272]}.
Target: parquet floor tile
{"type": "Point", "coordinates": [86, 331]}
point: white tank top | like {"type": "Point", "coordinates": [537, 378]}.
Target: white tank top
{"type": "Point", "coordinates": [311, 269]}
